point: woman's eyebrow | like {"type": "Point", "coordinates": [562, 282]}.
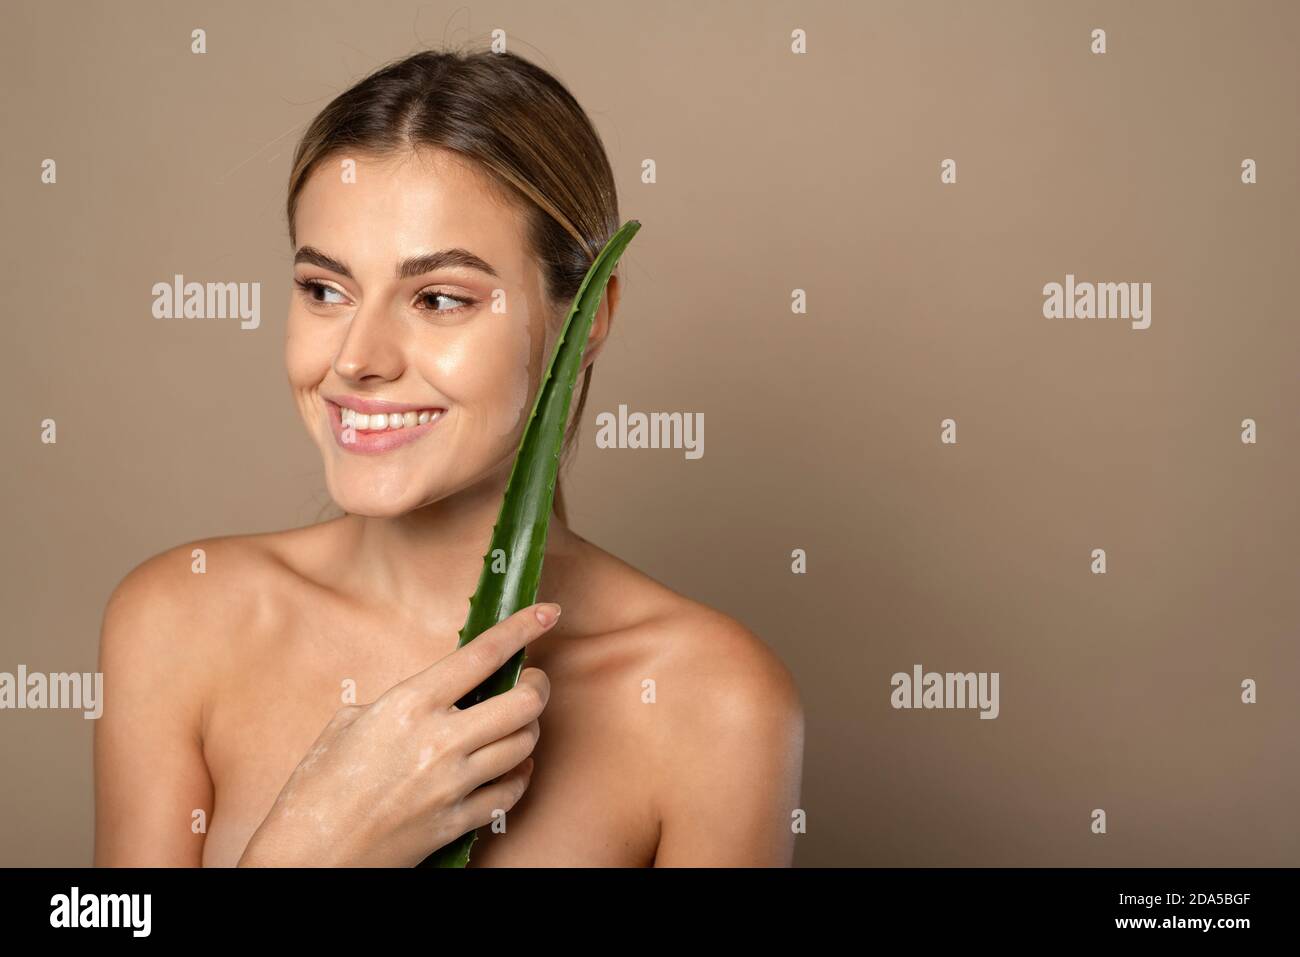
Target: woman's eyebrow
{"type": "Point", "coordinates": [419, 265]}
{"type": "Point", "coordinates": [313, 256]}
{"type": "Point", "coordinates": [414, 266]}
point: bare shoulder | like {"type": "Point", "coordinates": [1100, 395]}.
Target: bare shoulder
{"type": "Point", "coordinates": [716, 730]}
{"type": "Point", "coordinates": [171, 607]}
{"type": "Point", "coordinates": [188, 580]}
{"type": "Point", "coordinates": [703, 664]}
{"type": "Point", "coordinates": [168, 640]}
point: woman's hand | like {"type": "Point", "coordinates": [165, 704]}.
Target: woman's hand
{"type": "Point", "coordinates": [388, 783]}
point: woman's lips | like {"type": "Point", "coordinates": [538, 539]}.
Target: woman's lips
{"type": "Point", "coordinates": [353, 424]}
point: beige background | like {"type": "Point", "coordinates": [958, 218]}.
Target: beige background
{"type": "Point", "coordinates": [822, 431]}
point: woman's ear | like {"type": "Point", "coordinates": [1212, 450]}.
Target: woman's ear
{"type": "Point", "coordinates": [601, 322]}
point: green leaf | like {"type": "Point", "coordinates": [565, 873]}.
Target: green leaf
{"type": "Point", "coordinates": [520, 531]}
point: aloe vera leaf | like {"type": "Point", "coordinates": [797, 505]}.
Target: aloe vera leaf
{"type": "Point", "coordinates": [520, 530]}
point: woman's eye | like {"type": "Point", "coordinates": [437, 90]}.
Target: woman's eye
{"type": "Point", "coordinates": [429, 300]}
{"type": "Point", "coordinates": [319, 292]}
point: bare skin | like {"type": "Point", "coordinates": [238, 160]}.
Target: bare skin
{"type": "Point", "coordinates": [291, 705]}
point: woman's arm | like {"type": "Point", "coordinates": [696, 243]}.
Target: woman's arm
{"type": "Point", "coordinates": [731, 752]}
{"type": "Point", "coordinates": [150, 776]}
{"type": "Point", "coordinates": [387, 782]}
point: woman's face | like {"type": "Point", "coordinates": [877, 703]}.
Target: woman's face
{"type": "Point", "coordinates": [418, 328]}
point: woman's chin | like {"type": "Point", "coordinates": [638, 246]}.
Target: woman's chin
{"type": "Point", "coordinates": [367, 503]}
{"type": "Point", "coordinates": [370, 510]}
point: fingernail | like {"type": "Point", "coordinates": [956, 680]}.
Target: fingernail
{"type": "Point", "coordinates": [548, 613]}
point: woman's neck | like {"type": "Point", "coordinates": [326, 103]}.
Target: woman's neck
{"type": "Point", "coordinates": [428, 561]}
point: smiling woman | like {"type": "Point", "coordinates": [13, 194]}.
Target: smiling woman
{"type": "Point", "coordinates": [383, 325]}
{"type": "Point", "coordinates": [299, 698]}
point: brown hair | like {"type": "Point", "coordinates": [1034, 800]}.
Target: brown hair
{"type": "Point", "coordinates": [521, 126]}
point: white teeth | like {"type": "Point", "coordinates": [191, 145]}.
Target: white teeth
{"type": "Point", "coordinates": [379, 422]}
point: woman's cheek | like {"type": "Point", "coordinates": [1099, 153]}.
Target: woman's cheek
{"type": "Point", "coordinates": [518, 376]}
{"type": "Point", "coordinates": [308, 354]}
{"type": "Point", "coordinates": [489, 375]}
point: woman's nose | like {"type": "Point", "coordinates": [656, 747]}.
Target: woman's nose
{"type": "Point", "coordinates": [371, 347]}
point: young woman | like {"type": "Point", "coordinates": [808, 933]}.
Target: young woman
{"type": "Point", "coordinates": [295, 703]}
